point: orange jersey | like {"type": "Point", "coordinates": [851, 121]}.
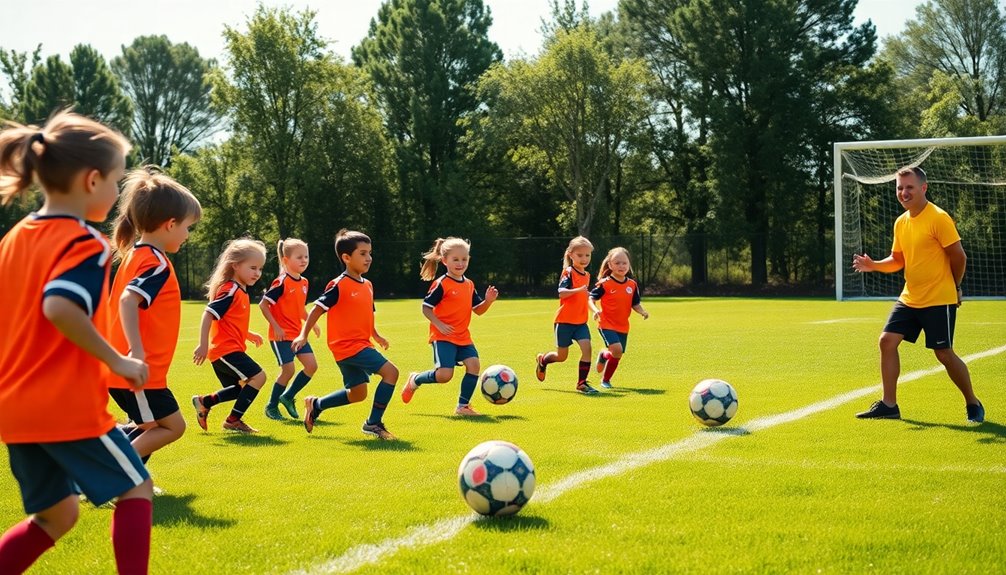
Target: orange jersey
{"type": "Point", "coordinates": [287, 296]}
{"type": "Point", "coordinates": [44, 374]}
{"type": "Point", "coordinates": [617, 299]}
{"type": "Point", "coordinates": [147, 272]}
{"type": "Point", "coordinates": [573, 309]}
{"type": "Point", "coordinates": [230, 330]}
{"type": "Point", "coordinates": [349, 303]}
{"type": "Point", "coordinates": [452, 302]}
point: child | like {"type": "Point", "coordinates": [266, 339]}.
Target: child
{"type": "Point", "coordinates": [145, 304]}
{"type": "Point", "coordinates": [54, 418]}
{"type": "Point", "coordinates": [349, 302]}
{"type": "Point", "coordinates": [571, 319]}
{"type": "Point", "coordinates": [239, 266]}
{"type": "Point", "coordinates": [618, 294]}
{"type": "Point", "coordinates": [449, 305]}
{"type": "Point", "coordinates": [283, 307]}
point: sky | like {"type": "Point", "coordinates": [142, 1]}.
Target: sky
{"type": "Point", "coordinates": [59, 25]}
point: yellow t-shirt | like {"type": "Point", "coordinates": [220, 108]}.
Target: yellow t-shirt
{"type": "Point", "coordinates": [922, 239]}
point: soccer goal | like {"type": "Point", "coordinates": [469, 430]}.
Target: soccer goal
{"type": "Point", "coordinates": [967, 178]}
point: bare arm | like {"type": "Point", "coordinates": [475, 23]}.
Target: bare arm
{"type": "Point", "coordinates": [312, 318]}
{"type": "Point", "coordinates": [596, 311]}
{"type": "Point", "coordinates": [441, 326]}
{"type": "Point", "coordinates": [958, 261]}
{"type": "Point", "coordinates": [266, 307]}
{"type": "Point", "coordinates": [491, 294]}
{"type": "Point", "coordinates": [199, 355]}
{"type": "Point", "coordinates": [890, 264]}
{"type": "Point", "coordinates": [641, 311]}
{"type": "Point", "coordinates": [565, 292]}
{"type": "Point", "coordinates": [129, 317]}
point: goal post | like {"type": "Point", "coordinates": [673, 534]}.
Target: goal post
{"type": "Point", "coordinates": [967, 178]}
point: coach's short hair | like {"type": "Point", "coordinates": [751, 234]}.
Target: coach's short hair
{"type": "Point", "coordinates": [919, 172]}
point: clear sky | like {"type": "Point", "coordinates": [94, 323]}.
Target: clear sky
{"type": "Point", "coordinates": [108, 24]}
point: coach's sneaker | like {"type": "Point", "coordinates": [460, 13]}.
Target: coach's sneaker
{"type": "Point", "coordinates": [310, 413]}
{"type": "Point", "coordinates": [601, 362]}
{"type": "Point", "coordinates": [586, 389]}
{"type": "Point", "coordinates": [410, 388]}
{"type": "Point", "coordinates": [466, 411]}
{"type": "Point", "coordinates": [539, 369]}
{"type": "Point", "coordinates": [976, 413]}
{"type": "Point", "coordinates": [606, 384]}
{"type": "Point", "coordinates": [880, 410]}
{"type": "Point", "coordinates": [238, 426]}
{"type": "Point", "coordinates": [201, 412]}
{"type": "Point", "coordinates": [290, 406]}
{"type": "Point", "coordinates": [272, 412]}
{"type": "Point", "coordinates": [377, 430]}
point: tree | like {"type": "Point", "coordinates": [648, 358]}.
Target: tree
{"type": "Point", "coordinates": [50, 88]}
{"type": "Point", "coordinates": [17, 67]}
{"type": "Point", "coordinates": [96, 91]}
{"type": "Point", "coordinates": [170, 90]}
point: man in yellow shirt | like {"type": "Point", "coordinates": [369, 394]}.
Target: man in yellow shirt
{"type": "Point", "coordinates": [928, 247]}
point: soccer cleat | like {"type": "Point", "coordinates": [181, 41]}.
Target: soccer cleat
{"type": "Point", "coordinates": [976, 413]}
{"type": "Point", "coordinates": [158, 490]}
{"type": "Point", "coordinates": [466, 411]}
{"type": "Point", "coordinates": [272, 412]}
{"type": "Point", "coordinates": [586, 389]}
{"type": "Point", "coordinates": [201, 412]}
{"type": "Point", "coordinates": [290, 406]}
{"type": "Point", "coordinates": [309, 413]}
{"type": "Point", "coordinates": [539, 370]}
{"type": "Point", "coordinates": [601, 362]}
{"type": "Point", "coordinates": [377, 430]}
{"type": "Point", "coordinates": [880, 410]}
{"type": "Point", "coordinates": [606, 384]}
{"type": "Point", "coordinates": [238, 426]}
{"type": "Point", "coordinates": [410, 388]}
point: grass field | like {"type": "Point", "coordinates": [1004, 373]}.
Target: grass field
{"type": "Point", "coordinates": [816, 492]}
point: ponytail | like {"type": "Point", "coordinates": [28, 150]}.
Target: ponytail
{"type": "Point", "coordinates": [441, 247]}
{"type": "Point", "coordinates": [148, 200]}
{"type": "Point", "coordinates": [285, 248]}
{"type": "Point", "coordinates": [279, 257]}
{"type": "Point", "coordinates": [577, 242]}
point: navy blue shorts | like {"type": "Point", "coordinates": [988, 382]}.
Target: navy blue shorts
{"type": "Point", "coordinates": [235, 367]}
{"type": "Point", "coordinates": [284, 354]}
{"type": "Point", "coordinates": [103, 468]}
{"type": "Point", "coordinates": [358, 368]}
{"type": "Point", "coordinates": [937, 321]}
{"type": "Point", "coordinates": [145, 405]}
{"type": "Point", "coordinates": [611, 337]}
{"type": "Point", "coordinates": [447, 354]}
{"type": "Point", "coordinates": [567, 333]}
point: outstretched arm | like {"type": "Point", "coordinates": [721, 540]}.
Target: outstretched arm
{"type": "Point", "coordinates": [491, 294]}
{"type": "Point", "coordinates": [890, 264]}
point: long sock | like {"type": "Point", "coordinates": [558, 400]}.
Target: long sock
{"type": "Point", "coordinates": [610, 367]}
{"type": "Point", "coordinates": [468, 383]}
{"type": "Point", "coordinates": [131, 523]}
{"type": "Point", "coordinates": [226, 394]}
{"type": "Point", "coordinates": [244, 400]}
{"type": "Point", "coordinates": [298, 383]}
{"type": "Point", "coordinates": [582, 371]}
{"type": "Point", "coordinates": [426, 377]}
{"type": "Point", "coordinates": [606, 355]}
{"type": "Point", "coordinates": [382, 395]}
{"type": "Point", "coordinates": [334, 399]}
{"type": "Point", "coordinates": [21, 545]}
{"type": "Point", "coordinates": [277, 390]}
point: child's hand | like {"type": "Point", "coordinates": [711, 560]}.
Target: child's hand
{"type": "Point", "coordinates": [381, 341]}
{"type": "Point", "coordinates": [137, 354]}
{"type": "Point", "coordinates": [298, 342]}
{"type": "Point", "coordinates": [491, 294]}
{"type": "Point", "coordinates": [132, 370]}
{"type": "Point", "coordinates": [316, 330]}
{"type": "Point", "coordinates": [597, 316]}
{"type": "Point", "coordinates": [645, 314]}
{"type": "Point", "coordinates": [199, 355]}
{"type": "Point", "coordinates": [277, 328]}
{"type": "Point", "coordinates": [255, 338]}
{"type": "Point", "coordinates": [443, 328]}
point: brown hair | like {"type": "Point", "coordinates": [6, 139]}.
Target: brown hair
{"type": "Point", "coordinates": [606, 262]}
{"type": "Point", "coordinates": [347, 240]}
{"type": "Point", "coordinates": [150, 198]}
{"type": "Point", "coordinates": [53, 155]}
{"type": "Point", "coordinates": [919, 173]}
{"type": "Point", "coordinates": [441, 247]}
{"type": "Point", "coordinates": [235, 252]}
{"type": "Point", "coordinates": [284, 248]}
{"type": "Point", "coordinates": [577, 242]}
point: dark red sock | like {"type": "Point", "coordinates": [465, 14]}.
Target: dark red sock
{"type": "Point", "coordinates": [21, 545]}
{"type": "Point", "coordinates": [584, 369]}
{"type": "Point", "coordinates": [606, 355]}
{"type": "Point", "coordinates": [131, 535]}
{"type": "Point", "coordinates": [609, 368]}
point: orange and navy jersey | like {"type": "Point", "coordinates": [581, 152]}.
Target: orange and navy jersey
{"type": "Point", "coordinates": [452, 301]}
{"type": "Point", "coordinates": [288, 296]}
{"type": "Point", "coordinates": [43, 372]}
{"type": "Point", "coordinates": [573, 309]}
{"type": "Point", "coordinates": [349, 303]}
{"type": "Point", "coordinates": [230, 330]}
{"type": "Point", "coordinates": [617, 299]}
{"type": "Point", "coordinates": [147, 272]}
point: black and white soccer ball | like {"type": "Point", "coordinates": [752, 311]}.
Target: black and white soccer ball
{"type": "Point", "coordinates": [498, 384]}
{"type": "Point", "coordinates": [713, 402]}
{"type": "Point", "coordinates": [496, 478]}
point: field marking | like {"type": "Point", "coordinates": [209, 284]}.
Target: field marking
{"type": "Point", "coordinates": [423, 535]}
{"type": "Point", "coordinates": [842, 320]}
{"type": "Point", "coordinates": [845, 466]}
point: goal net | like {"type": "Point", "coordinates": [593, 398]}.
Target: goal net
{"type": "Point", "coordinates": [967, 178]}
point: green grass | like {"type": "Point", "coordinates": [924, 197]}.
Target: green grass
{"type": "Point", "coordinates": [826, 493]}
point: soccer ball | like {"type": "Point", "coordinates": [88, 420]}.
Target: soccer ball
{"type": "Point", "coordinates": [496, 478]}
{"type": "Point", "coordinates": [713, 402]}
{"type": "Point", "coordinates": [498, 384]}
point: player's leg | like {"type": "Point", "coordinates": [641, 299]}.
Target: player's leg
{"type": "Point", "coordinates": [470, 360]}
{"type": "Point", "coordinates": [284, 358]}
{"type": "Point", "coordinates": [166, 430]}
{"type": "Point", "coordinates": [939, 323]}
{"type": "Point", "coordinates": [583, 367]}
{"type": "Point", "coordinates": [388, 372]}
{"type": "Point", "coordinates": [309, 366]}
{"type": "Point", "coordinates": [244, 364]}
{"type": "Point", "coordinates": [354, 379]}
{"type": "Point", "coordinates": [615, 351]}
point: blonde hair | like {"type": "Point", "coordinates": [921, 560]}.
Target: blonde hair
{"type": "Point", "coordinates": [285, 248]}
{"type": "Point", "coordinates": [235, 252]}
{"type": "Point", "coordinates": [150, 198]}
{"type": "Point", "coordinates": [441, 247]}
{"type": "Point", "coordinates": [577, 242]}
{"type": "Point", "coordinates": [54, 154]}
{"type": "Point", "coordinates": [606, 262]}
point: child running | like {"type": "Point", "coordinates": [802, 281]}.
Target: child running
{"type": "Point", "coordinates": [145, 304]}
{"type": "Point", "coordinates": [283, 307]}
{"type": "Point", "coordinates": [449, 305]}
{"type": "Point", "coordinates": [618, 294]}
{"type": "Point", "coordinates": [571, 319]}
{"type": "Point", "coordinates": [54, 419]}
{"type": "Point", "coordinates": [349, 302]}
{"type": "Point", "coordinates": [224, 331]}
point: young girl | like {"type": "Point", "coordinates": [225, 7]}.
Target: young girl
{"type": "Point", "coordinates": [618, 294]}
{"type": "Point", "coordinates": [53, 357]}
{"type": "Point", "coordinates": [349, 302]}
{"type": "Point", "coordinates": [571, 319]}
{"type": "Point", "coordinates": [226, 318]}
{"type": "Point", "coordinates": [283, 307]}
{"type": "Point", "coordinates": [449, 305]}
{"type": "Point", "coordinates": [145, 304]}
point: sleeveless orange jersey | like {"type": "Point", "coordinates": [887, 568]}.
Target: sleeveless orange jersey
{"type": "Point", "coordinates": [230, 330]}
{"type": "Point", "coordinates": [43, 372]}
{"type": "Point", "coordinates": [288, 296]}
{"type": "Point", "coordinates": [452, 301]}
{"type": "Point", "coordinates": [617, 299]}
{"type": "Point", "coordinates": [349, 303]}
{"type": "Point", "coordinates": [147, 272]}
{"type": "Point", "coordinates": [573, 309]}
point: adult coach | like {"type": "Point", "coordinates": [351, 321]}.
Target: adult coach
{"type": "Point", "coordinates": [928, 247]}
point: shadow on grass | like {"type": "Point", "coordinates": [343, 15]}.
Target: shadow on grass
{"type": "Point", "coordinates": [507, 417]}
{"type": "Point", "coordinates": [739, 431]}
{"type": "Point", "coordinates": [991, 431]}
{"type": "Point", "coordinates": [603, 393]}
{"type": "Point", "coordinates": [381, 445]}
{"type": "Point", "coordinates": [317, 422]}
{"type": "Point", "coordinates": [252, 439]}
{"type": "Point", "coordinates": [481, 418]}
{"type": "Point", "coordinates": [639, 390]}
{"type": "Point", "coordinates": [512, 523]}
{"type": "Point", "coordinates": [171, 510]}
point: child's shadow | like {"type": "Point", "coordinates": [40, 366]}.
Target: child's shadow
{"type": "Point", "coordinates": [602, 394]}
{"type": "Point", "coordinates": [382, 445]}
{"type": "Point", "coordinates": [252, 439]}
{"type": "Point", "coordinates": [639, 390]}
{"type": "Point", "coordinates": [520, 523]}
{"type": "Point", "coordinates": [480, 418]}
{"type": "Point", "coordinates": [172, 510]}
{"type": "Point", "coordinates": [992, 432]}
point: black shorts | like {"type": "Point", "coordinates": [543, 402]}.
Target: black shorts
{"type": "Point", "coordinates": [937, 321]}
{"type": "Point", "coordinates": [234, 368]}
{"type": "Point", "coordinates": [145, 405]}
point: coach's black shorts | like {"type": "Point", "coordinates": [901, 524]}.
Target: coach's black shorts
{"type": "Point", "coordinates": [145, 405]}
{"type": "Point", "coordinates": [234, 368]}
{"type": "Point", "coordinates": [937, 321]}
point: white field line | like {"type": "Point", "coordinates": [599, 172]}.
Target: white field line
{"type": "Point", "coordinates": [842, 320]}
{"type": "Point", "coordinates": [844, 466]}
{"type": "Point", "coordinates": [445, 529]}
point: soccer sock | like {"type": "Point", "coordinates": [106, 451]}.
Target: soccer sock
{"type": "Point", "coordinates": [582, 371]}
{"type": "Point", "coordinates": [426, 377]}
{"type": "Point", "coordinates": [244, 400]}
{"type": "Point", "coordinates": [226, 394]}
{"type": "Point", "coordinates": [131, 523]}
{"type": "Point", "coordinates": [334, 399]}
{"type": "Point", "coordinates": [277, 390]}
{"type": "Point", "coordinates": [468, 383]}
{"type": "Point", "coordinates": [609, 368]}
{"type": "Point", "coordinates": [606, 355]}
{"type": "Point", "coordinates": [299, 382]}
{"type": "Point", "coordinates": [382, 395]}
{"type": "Point", "coordinates": [21, 545]}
